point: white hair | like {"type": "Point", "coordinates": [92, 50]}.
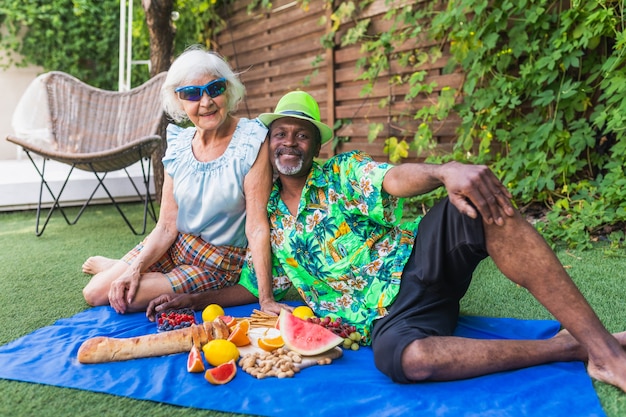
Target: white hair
{"type": "Point", "coordinates": [194, 63]}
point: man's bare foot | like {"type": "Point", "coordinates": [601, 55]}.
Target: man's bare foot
{"type": "Point", "coordinates": [610, 368]}
{"type": "Point", "coordinates": [97, 264]}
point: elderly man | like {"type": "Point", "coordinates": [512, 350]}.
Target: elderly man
{"type": "Point", "coordinates": [338, 237]}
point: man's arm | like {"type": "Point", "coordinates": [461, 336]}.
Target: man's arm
{"type": "Point", "coordinates": [470, 187]}
{"type": "Point", "coordinates": [257, 187]}
{"type": "Point", "coordinates": [225, 297]}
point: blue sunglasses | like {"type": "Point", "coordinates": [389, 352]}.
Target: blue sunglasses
{"type": "Point", "coordinates": [194, 93]}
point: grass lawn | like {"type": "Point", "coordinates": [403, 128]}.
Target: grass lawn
{"type": "Point", "coordinates": [41, 282]}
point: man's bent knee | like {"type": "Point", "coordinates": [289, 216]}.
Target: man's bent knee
{"type": "Point", "coordinates": [408, 365]}
{"type": "Point", "coordinates": [417, 364]}
{"type": "Point", "coordinates": [391, 351]}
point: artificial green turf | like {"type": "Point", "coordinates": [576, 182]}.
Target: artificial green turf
{"type": "Point", "coordinates": [41, 282]}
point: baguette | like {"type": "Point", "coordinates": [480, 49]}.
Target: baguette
{"type": "Point", "coordinates": [109, 349]}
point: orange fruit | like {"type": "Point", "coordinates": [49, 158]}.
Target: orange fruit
{"type": "Point", "coordinates": [194, 360]}
{"type": "Point", "coordinates": [239, 333]}
{"type": "Point", "coordinates": [229, 320]}
{"type": "Point", "coordinates": [221, 374]}
{"type": "Point", "coordinates": [271, 343]}
{"type": "Point", "coordinates": [219, 351]}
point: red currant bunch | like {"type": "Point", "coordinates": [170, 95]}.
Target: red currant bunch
{"type": "Point", "coordinates": [175, 319]}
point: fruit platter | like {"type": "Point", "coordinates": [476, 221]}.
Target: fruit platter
{"type": "Point", "coordinates": [282, 346]}
{"type": "Point", "coordinates": [262, 345]}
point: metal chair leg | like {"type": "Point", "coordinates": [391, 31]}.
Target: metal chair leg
{"type": "Point", "coordinates": [55, 205]}
{"type": "Point", "coordinates": [146, 198]}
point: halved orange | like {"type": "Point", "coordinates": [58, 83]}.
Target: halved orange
{"type": "Point", "coordinates": [194, 360]}
{"type": "Point", "coordinates": [239, 333]}
{"type": "Point", "coordinates": [271, 343]}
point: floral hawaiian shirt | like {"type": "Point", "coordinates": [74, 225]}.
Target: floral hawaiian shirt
{"type": "Point", "coordinates": [346, 247]}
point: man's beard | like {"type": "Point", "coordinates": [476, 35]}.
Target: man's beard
{"type": "Point", "coordinates": [288, 170]}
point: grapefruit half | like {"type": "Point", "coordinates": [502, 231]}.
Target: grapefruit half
{"type": "Point", "coordinates": [221, 374]}
{"type": "Point", "coordinates": [194, 360]}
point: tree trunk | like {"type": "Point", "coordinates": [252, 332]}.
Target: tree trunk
{"type": "Point", "coordinates": [161, 30]}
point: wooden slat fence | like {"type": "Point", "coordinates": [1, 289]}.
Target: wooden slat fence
{"type": "Point", "coordinates": [280, 50]}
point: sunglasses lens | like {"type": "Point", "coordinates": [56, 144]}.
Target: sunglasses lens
{"type": "Point", "coordinates": [190, 93]}
{"type": "Point", "coordinates": [216, 88]}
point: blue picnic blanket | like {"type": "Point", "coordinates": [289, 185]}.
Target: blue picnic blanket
{"type": "Point", "coordinates": [351, 385]}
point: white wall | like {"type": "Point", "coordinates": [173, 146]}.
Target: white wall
{"type": "Point", "coordinates": [13, 83]}
{"type": "Point", "coordinates": [19, 182]}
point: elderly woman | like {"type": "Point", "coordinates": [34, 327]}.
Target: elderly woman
{"type": "Point", "coordinates": [214, 198]}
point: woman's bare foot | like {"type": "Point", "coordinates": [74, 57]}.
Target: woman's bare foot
{"type": "Point", "coordinates": [97, 264]}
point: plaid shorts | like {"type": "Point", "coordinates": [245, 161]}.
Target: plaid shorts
{"type": "Point", "coordinates": [193, 265]}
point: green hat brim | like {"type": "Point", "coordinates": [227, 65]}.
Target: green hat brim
{"type": "Point", "coordinates": [326, 133]}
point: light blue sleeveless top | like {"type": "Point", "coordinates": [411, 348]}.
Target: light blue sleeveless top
{"type": "Point", "coordinates": [210, 195]}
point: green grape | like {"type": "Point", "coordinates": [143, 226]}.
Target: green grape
{"type": "Point", "coordinates": [347, 343]}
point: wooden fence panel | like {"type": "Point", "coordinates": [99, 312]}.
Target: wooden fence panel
{"type": "Point", "coordinates": [280, 50]}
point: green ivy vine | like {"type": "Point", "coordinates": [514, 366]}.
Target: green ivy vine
{"type": "Point", "coordinates": [543, 102]}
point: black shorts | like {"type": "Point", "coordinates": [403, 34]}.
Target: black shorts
{"type": "Point", "coordinates": [448, 247]}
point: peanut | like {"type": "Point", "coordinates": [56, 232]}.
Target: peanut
{"type": "Point", "coordinates": [280, 363]}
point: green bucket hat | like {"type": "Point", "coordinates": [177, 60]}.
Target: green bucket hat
{"type": "Point", "coordinates": [300, 105]}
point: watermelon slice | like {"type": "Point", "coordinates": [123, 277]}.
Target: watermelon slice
{"type": "Point", "coordinates": [305, 337]}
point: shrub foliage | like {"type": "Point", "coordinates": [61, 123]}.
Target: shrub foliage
{"type": "Point", "coordinates": [543, 103]}
{"type": "Point", "coordinates": [81, 37]}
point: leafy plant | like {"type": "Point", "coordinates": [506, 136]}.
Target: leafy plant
{"type": "Point", "coordinates": [76, 36]}
{"type": "Point", "coordinates": [543, 102]}
{"type": "Point", "coordinates": [81, 37]}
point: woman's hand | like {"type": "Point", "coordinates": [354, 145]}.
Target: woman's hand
{"type": "Point", "coordinates": [123, 290]}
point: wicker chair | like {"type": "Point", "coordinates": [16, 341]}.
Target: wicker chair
{"type": "Point", "coordinates": [97, 131]}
